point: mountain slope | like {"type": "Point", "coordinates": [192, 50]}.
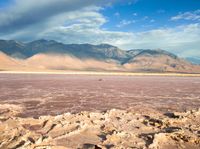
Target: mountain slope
{"type": "Point", "coordinates": [12, 48]}
{"type": "Point", "coordinates": [160, 63]}
{"type": "Point", "coordinates": [83, 51]}
{"type": "Point", "coordinates": [194, 60]}
{"type": "Point", "coordinates": [66, 62]}
{"type": "Point", "coordinates": [7, 62]}
{"type": "Point", "coordinates": [52, 55]}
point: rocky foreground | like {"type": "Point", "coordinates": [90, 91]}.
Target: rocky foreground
{"type": "Point", "coordinates": [110, 129]}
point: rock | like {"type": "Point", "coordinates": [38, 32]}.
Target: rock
{"type": "Point", "coordinates": [111, 129]}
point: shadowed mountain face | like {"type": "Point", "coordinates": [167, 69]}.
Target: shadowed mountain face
{"type": "Point", "coordinates": [54, 55]}
{"type": "Point", "coordinates": [25, 50]}
{"type": "Point", "coordinates": [12, 48]}
{"type": "Point", "coordinates": [194, 60]}
{"type": "Point", "coordinates": [100, 52]}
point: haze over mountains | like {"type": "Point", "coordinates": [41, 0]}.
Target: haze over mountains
{"type": "Point", "coordinates": [52, 55]}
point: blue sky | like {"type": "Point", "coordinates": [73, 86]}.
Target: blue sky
{"type": "Point", "coordinates": [148, 14]}
{"type": "Point", "coordinates": [173, 25]}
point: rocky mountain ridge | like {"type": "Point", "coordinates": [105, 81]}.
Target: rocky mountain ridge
{"type": "Point", "coordinates": [50, 54]}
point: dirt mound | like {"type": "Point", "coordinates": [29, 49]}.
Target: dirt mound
{"type": "Point", "coordinates": [111, 129]}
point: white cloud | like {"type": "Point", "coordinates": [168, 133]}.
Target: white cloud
{"type": "Point", "coordinates": [125, 23]}
{"type": "Point", "coordinates": [177, 40]}
{"type": "Point", "coordinates": [83, 24]}
{"type": "Point", "coordinates": [25, 13]}
{"type": "Point", "coordinates": [152, 21]}
{"type": "Point", "coordinates": [193, 15]}
{"type": "Point", "coordinates": [182, 40]}
{"type": "Point", "coordinates": [117, 14]}
{"type": "Point", "coordinates": [131, 2]}
{"type": "Point", "coordinates": [135, 14]}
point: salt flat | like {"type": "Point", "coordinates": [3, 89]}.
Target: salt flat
{"type": "Point", "coordinates": [52, 94]}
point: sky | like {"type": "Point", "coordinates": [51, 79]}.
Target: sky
{"type": "Point", "coordinates": [172, 25]}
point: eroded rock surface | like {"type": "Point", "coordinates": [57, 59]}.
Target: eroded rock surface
{"type": "Point", "coordinates": [107, 130]}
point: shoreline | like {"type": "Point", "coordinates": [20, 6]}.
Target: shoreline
{"type": "Point", "coordinates": [103, 73]}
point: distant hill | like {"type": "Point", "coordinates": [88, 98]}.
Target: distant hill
{"type": "Point", "coordinates": [194, 60]}
{"type": "Point", "coordinates": [52, 55]}
{"type": "Point", "coordinates": [159, 61]}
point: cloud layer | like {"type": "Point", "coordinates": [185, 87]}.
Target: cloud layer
{"type": "Point", "coordinates": [194, 16]}
{"type": "Point", "coordinates": [81, 21]}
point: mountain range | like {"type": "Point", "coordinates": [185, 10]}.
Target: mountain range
{"type": "Point", "coordinates": [52, 55]}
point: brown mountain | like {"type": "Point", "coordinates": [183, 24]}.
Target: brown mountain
{"type": "Point", "coordinates": [42, 55]}
{"type": "Point", "coordinates": [66, 62]}
{"type": "Point", "coordinates": [160, 61]}
{"type": "Point", "coordinates": [8, 63]}
{"type": "Point", "coordinates": [140, 63]}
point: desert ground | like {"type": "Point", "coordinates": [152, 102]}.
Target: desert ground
{"type": "Point", "coordinates": [99, 111]}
